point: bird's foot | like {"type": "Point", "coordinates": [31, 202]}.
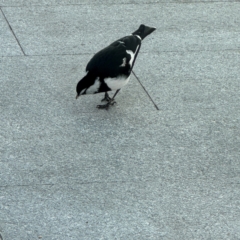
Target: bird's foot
{"type": "Point", "coordinates": [111, 102]}
{"type": "Point", "coordinates": [106, 98]}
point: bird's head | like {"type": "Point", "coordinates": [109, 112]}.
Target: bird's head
{"type": "Point", "coordinates": [143, 31]}
{"type": "Point", "coordinates": [80, 89]}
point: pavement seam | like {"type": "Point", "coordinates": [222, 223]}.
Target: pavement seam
{"type": "Point", "coordinates": [27, 185]}
{"type": "Point", "coordinates": [145, 90]}
{"type": "Point", "coordinates": [129, 3]}
{"type": "Point", "coordinates": [158, 52]}
{"type": "Point", "coordinates": [12, 32]}
{"type": "Point", "coordinates": [199, 177]}
{"type": "Point", "coordinates": [77, 183]}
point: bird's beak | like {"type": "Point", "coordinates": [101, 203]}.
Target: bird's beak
{"type": "Point", "coordinates": [77, 96]}
{"type": "Point", "coordinates": [148, 30]}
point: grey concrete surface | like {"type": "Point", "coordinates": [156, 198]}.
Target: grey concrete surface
{"type": "Point", "coordinates": [9, 45]}
{"type": "Point", "coordinates": [72, 29]}
{"type": "Point", "coordinates": [16, 3]}
{"type": "Point", "coordinates": [71, 171]}
{"type": "Point", "coordinates": [206, 79]}
{"type": "Point", "coordinates": [124, 210]}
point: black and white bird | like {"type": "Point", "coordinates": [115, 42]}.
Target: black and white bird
{"type": "Point", "coordinates": [110, 68]}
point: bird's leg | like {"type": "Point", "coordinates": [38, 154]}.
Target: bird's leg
{"type": "Point", "coordinates": [110, 102]}
{"type": "Point", "coordinates": [106, 97]}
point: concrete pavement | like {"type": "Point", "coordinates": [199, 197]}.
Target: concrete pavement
{"type": "Point", "coordinates": [161, 164]}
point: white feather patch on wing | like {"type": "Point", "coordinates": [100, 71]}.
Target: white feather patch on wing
{"type": "Point", "coordinates": [132, 55]}
{"type": "Point", "coordinates": [94, 88]}
{"type": "Point", "coordinates": [116, 83]}
{"type": "Point", "coordinates": [124, 62]}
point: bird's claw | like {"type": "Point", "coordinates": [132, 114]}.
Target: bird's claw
{"type": "Point", "coordinates": [106, 98]}
{"type": "Point", "coordinates": [106, 106]}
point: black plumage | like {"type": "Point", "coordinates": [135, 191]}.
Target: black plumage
{"type": "Point", "coordinates": [110, 68]}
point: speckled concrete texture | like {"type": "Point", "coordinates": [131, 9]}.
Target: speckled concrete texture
{"type": "Point", "coordinates": [72, 29]}
{"type": "Point", "coordinates": [163, 163]}
{"type": "Point", "coordinates": [9, 45]}
{"type": "Point", "coordinates": [98, 2]}
{"type": "Point", "coordinates": [206, 79]}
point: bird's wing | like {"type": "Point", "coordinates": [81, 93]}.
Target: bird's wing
{"type": "Point", "coordinates": [111, 61]}
{"type": "Point", "coordinates": [131, 42]}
